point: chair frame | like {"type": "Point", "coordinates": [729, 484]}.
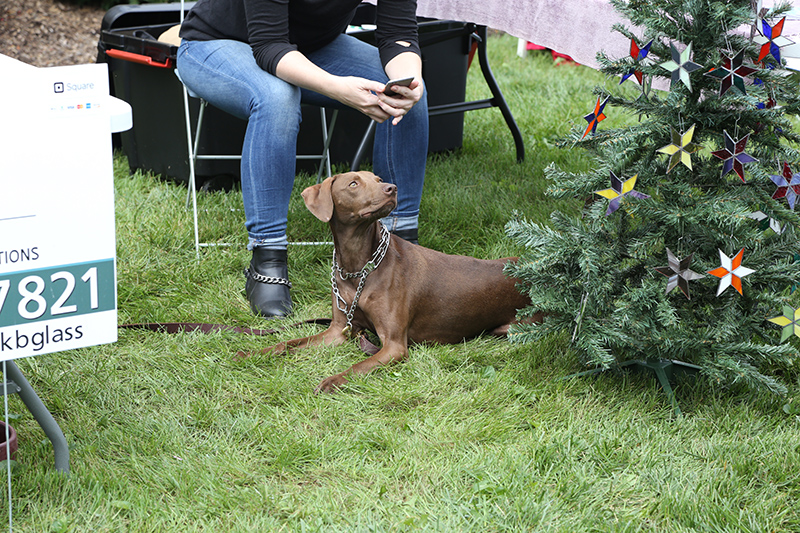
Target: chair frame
{"type": "Point", "coordinates": [193, 144]}
{"type": "Point", "coordinates": [193, 141]}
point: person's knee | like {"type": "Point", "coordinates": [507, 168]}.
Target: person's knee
{"type": "Point", "coordinates": [276, 103]}
{"type": "Point", "coordinates": [276, 96]}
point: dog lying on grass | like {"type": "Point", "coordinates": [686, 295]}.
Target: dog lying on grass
{"type": "Point", "coordinates": [400, 291]}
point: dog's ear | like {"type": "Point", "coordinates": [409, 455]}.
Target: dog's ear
{"type": "Point", "coordinates": [318, 199]}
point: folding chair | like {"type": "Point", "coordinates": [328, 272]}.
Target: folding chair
{"type": "Point", "coordinates": [193, 140]}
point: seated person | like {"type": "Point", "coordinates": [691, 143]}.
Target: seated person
{"type": "Point", "coordinates": [259, 60]}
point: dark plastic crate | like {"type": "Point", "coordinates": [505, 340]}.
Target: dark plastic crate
{"type": "Point", "coordinates": [142, 73]}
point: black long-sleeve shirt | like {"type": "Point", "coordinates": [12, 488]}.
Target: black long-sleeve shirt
{"type": "Point", "coordinates": [275, 27]}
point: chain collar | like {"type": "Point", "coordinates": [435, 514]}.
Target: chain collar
{"type": "Point", "coordinates": [372, 264]}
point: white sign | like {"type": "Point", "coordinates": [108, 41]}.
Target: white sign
{"type": "Point", "coordinates": [57, 237]}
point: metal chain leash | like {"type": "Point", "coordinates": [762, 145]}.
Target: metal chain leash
{"type": "Point", "coordinates": [372, 264]}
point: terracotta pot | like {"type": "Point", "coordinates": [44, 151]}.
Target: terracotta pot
{"type": "Point", "coordinates": [10, 445]}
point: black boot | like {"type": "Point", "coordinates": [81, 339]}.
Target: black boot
{"type": "Point", "coordinates": [267, 285]}
{"type": "Point", "coordinates": [410, 235]}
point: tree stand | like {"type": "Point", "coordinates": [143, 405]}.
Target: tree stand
{"type": "Point", "coordinates": [666, 370]}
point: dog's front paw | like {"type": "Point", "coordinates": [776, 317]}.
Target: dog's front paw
{"type": "Point", "coordinates": [332, 384]}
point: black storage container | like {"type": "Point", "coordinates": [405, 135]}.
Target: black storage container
{"type": "Point", "coordinates": [142, 73]}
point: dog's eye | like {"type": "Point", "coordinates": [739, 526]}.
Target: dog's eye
{"type": "Point", "coordinates": [354, 184]}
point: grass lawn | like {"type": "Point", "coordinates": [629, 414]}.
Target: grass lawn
{"type": "Point", "coordinates": [171, 433]}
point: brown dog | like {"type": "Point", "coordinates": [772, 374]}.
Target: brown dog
{"type": "Point", "coordinates": [413, 294]}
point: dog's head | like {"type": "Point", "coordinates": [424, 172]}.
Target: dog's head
{"type": "Point", "coordinates": [353, 198]}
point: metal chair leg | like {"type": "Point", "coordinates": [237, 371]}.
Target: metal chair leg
{"type": "Point", "coordinates": [42, 416]}
{"type": "Point", "coordinates": [193, 147]}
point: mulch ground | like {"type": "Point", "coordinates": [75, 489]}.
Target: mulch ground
{"type": "Point", "coordinates": [48, 33]}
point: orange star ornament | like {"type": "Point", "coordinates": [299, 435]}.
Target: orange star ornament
{"type": "Point", "coordinates": [730, 272]}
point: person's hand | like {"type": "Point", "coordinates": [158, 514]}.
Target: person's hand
{"type": "Point", "coordinates": [367, 97]}
{"type": "Point", "coordinates": [401, 103]}
{"type": "Point", "coordinates": [361, 94]}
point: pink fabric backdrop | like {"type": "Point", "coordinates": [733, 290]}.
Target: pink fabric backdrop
{"type": "Point", "coordinates": [579, 28]}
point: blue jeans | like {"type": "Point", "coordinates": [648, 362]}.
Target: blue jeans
{"type": "Point", "coordinates": [225, 74]}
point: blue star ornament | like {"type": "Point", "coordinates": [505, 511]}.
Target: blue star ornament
{"type": "Point", "coordinates": [733, 155]}
{"type": "Point", "coordinates": [788, 185]}
{"type": "Point", "coordinates": [771, 40]}
{"type": "Point", "coordinates": [595, 117]}
{"type": "Point", "coordinates": [619, 189]}
{"type": "Point", "coordinates": [680, 66]}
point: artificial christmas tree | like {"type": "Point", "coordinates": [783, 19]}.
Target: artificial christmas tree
{"type": "Point", "coordinates": [705, 156]}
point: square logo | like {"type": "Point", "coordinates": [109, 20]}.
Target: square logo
{"type": "Point", "coordinates": [58, 87]}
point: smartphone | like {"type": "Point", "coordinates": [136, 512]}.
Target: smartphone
{"type": "Point", "coordinates": [405, 82]}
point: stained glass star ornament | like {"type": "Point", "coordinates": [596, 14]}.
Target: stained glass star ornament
{"type": "Point", "coordinates": [619, 189]}
{"type": "Point", "coordinates": [679, 273]}
{"type": "Point", "coordinates": [767, 221]}
{"type": "Point", "coordinates": [772, 40]}
{"type": "Point", "coordinates": [769, 104]}
{"type": "Point", "coordinates": [790, 322]}
{"type": "Point", "coordinates": [680, 66]}
{"type": "Point", "coordinates": [788, 185]}
{"type": "Point", "coordinates": [732, 73]}
{"type": "Point", "coordinates": [595, 117]}
{"type": "Point", "coordinates": [681, 149]}
{"type": "Point", "coordinates": [733, 155]}
{"type": "Point", "coordinates": [638, 54]}
{"type": "Point", "coordinates": [730, 272]}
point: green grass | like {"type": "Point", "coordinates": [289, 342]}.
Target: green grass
{"type": "Point", "coordinates": [171, 433]}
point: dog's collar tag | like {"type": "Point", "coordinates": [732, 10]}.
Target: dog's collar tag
{"type": "Point", "coordinates": [347, 331]}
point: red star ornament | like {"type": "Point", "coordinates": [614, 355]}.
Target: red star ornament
{"type": "Point", "coordinates": [638, 54]}
{"type": "Point", "coordinates": [788, 185]}
{"type": "Point", "coordinates": [733, 155]}
{"type": "Point", "coordinates": [774, 41]}
{"type": "Point", "coordinates": [732, 73]}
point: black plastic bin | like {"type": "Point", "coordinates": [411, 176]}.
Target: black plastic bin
{"type": "Point", "coordinates": [141, 71]}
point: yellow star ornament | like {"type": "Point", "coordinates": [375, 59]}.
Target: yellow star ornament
{"type": "Point", "coordinates": [618, 190]}
{"type": "Point", "coordinates": [789, 322]}
{"type": "Point", "coordinates": [681, 148]}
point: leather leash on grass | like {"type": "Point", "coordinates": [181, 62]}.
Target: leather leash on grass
{"type": "Point", "coordinates": [187, 327]}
